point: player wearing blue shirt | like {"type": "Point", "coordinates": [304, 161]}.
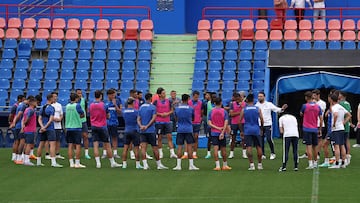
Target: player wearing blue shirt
{"type": "Point", "coordinates": [146, 120]}
{"type": "Point", "coordinates": [47, 131]}
{"type": "Point", "coordinates": [184, 115]}
{"type": "Point", "coordinates": [250, 130]}
{"type": "Point", "coordinates": [11, 118]}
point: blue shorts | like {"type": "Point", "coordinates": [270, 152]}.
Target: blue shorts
{"type": "Point", "coordinates": [133, 137]}
{"type": "Point", "coordinates": [58, 133]}
{"type": "Point", "coordinates": [252, 140]}
{"type": "Point", "coordinates": [48, 135]}
{"type": "Point", "coordinates": [163, 128]}
{"type": "Point", "coordinates": [196, 128]}
{"type": "Point", "coordinates": [100, 134]}
{"type": "Point", "coordinates": [234, 129]}
{"type": "Point", "coordinates": [338, 137]}
{"type": "Point", "coordinates": [84, 128]}
{"type": "Point", "coordinates": [217, 142]}
{"type": "Point", "coordinates": [29, 138]}
{"type": "Point", "coordinates": [150, 138]}
{"type": "Point", "coordinates": [181, 137]}
{"type": "Point", "coordinates": [310, 138]}
{"type": "Point", "coordinates": [346, 136]}
{"type": "Point", "coordinates": [17, 134]}
{"type": "Point", "coordinates": [73, 137]}
{"type": "Point", "coordinates": [113, 131]}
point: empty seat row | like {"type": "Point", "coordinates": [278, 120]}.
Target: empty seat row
{"type": "Point", "coordinates": [214, 85]}
{"type": "Point", "coordinates": [229, 75]}
{"type": "Point", "coordinates": [316, 45]}
{"type": "Point", "coordinates": [232, 55]}
{"type": "Point", "coordinates": [229, 66]}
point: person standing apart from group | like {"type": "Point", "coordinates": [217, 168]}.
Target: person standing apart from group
{"type": "Point", "coordinates": [299, 9]}
{"type": "Point", "coordinates": [319, 9]}
{"type": "Point", "coordinates": [280, 9]}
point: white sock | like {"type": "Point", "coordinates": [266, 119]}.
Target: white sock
{"type": "Point", "coordinates": [38, 160]}
{"type": "Point", "coordinates": [315, 163]}
{"type": "Point", "coordinates": [244, 151]}
{"type": "Point", "coordinates": [77, 161]}
{"type": "Point", "coordinates": [131, 151]}
{"type": "Point", "coordinates": [160, 150]}
{"type": "Point", "coordinates": [71, 162]}
{"type": "Point", "coordinates": [178, 163]}
{"type": "Point", "coordinates": [13, 156]}
{"type": "Point", "coordinates": [137, 163]}
{"type": "Point", "coordinates": [115, 151]}
{"type": "Point", "coordinates": [18, 157]}
{"type": "Point", "coordinates": [31, 152]}
{"type": "Point", "coordinates": [310, 163]}
{"type": "Point", "coordinates": [225, 163]}
{"type": "Point", "coordinates": [158, 163]}
{"type": "Point", "coordinates": [53, 161]}
{"type": "Point", "coordinates": [231, 153]}
{"type": "Point", "coordinates": [219, 153]}
{"type": "Point", "coordinates": [112, 161]}
{"type": "Point", "coordinates": [86, 152]}
{"type": "Point", "coordinates": [104, 152]}
{"type": "Point", "coordinates": [326, 160]}
{"type": "Point", "coordinates": [145, 163]}
{"type": "Point", "coordinates": [194, 153]}
{"type": "Point", "coordinates": [217, 164]}
{"type": "Point", "coordinates": [172, 151]}
{"type": "Point", "coordinates": [191, 162]}
{"type": "Point", "coordinates": [252, 165]}
{"type": "Point", "coordinates": [97, 159]}
{"type": "Point", "coordinates": [208, 153]}
{"type": "Point", "coordinates": [124, 163]}
{"type": "Point", "coordinates": [186, 154]}
{"type": "Point", "coordinates": [26, 159]}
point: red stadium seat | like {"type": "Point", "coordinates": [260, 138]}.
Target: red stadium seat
{"type": "Point", "coordinates": [305, 35]}
{"type": "Point", "coordinates": [87, 34]}
{"type": "Point", "coordinates": [2, 23]}
{"type": "Point", "coordinates": [290, 25]}
{"type": "Point", "coordinates": [58, 23]}
{"type": "Point", "coordinates": [88, 24]}
{"type": "Point", "coordinates": [116, 35]}
{"type": "Point", "coordinates": [334, 35]}
{"type": "Point", "coordinates": [320, 25]}
{"type": "Point", "coordinates": [57, 34]}
{"type": "Point", "coordinates": [203, 35]}
{"type": "Point", "coordinates": [14, 23]}
{"type": "Point", "coordinates": [73, 23]}
{"type": "Point", "coordinates": [117, 24]}
{"type": "Point", "coordinates": [290, 35]}
{"type": "Point", "coordinates": [218, 35]}
{"type": "Point", "coordinates": [233, 25]}
{"type": "Point", "coordinates": [334, 24]}
{"type": "Point", "coordinates": [319, 35]}
{"type": "Point", "coordinates": [348, 24]}
{"type": "Point", "coordinates": [42, 34]}
{"type": "Point", "coordinates": [147, 25]}
{"type": "Point", "coordinates": [101, 35]}
{"type": "Point", "coordinates": [349, 35]}
{"type": "Point", "coordinates": [29, 23]}
{"type": "Point", "coordinates": [261, 24]}
{"type": "Point", "coordinates": [44, 23]}
{"type": "Point", "coordinates": [72, 34]}
{"type": "Point", "coordinates": [131, 31]}
{"type": "Point", "coordinates": [12, 33]}
{"type": "Point", "coordinates": [305, 25]}
{"type": "Point", "coordinates": [2, 34]}
{"type": "Point", "coordinates": [27, 33]}
{"type": "Point", "coordinates": [132, 24]}
{"type": "Point", "coordinates": [276, 24]}
{"type": "Point", "coordinates": [204, 25]}
{"type": "Point", "coordinates": [247, 34]}
{"type": "Point", "coordinates": [232, 35]}
{"type": "Point", "coordinates": [276, 35]}
{"type": "Point", "coordinates": [218, 24]}
{"type": "Point", "coordinates": [261, 35]}
{"type": "Point", "coordinates": [146, 35]}
{"type": "Point", "coordinates": [247, 24]}
{"type": "Point", "coordinates": [103, 24]}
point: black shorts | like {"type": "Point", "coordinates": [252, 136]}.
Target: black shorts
{"type": "Point", "coordinates": [196, 128]}
{"type": "Point", "coordinates": [29, 138]}
{"type": "Point", "coordinates": [58, 133]}
{"type": "Point", "coordinates": [163, 128]}
{"type": "Point", "coordinates": [150, 138]}
{"type": "Point", "coordinates": [48, 135]}
{"type": "Point", "coordinates": [234, 129]}
{"type": "Point", "coordinates": [17, 134]}
{"type": "Point", "coordinates": [217, 142]}
{"type": "Point", "coordinates": [346, 136]}
{"type": "Point", "coordinates": [323, 133]}
{"type": "Point", "coordinates": [310, 138]}
{"type": "Point", "coordinates": [84, 128]}
{"type": "Point", "coordinates": [100, 134]}
{"type": "Point", "coordinates": [133, 137]}
{"type": "Point", "coordinates": [181, 137]}
{"type": "Point", "coordinates": [113, 131]}
{"type": "Point", "coordinates": [338, 137]}
{"type": "Point", "coordinates": [73, 137]}
{"type": "Point", "coordinates": [252, 140]}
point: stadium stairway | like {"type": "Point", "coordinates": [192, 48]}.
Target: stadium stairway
{"type": "Point", "coordinates": [173, 63]}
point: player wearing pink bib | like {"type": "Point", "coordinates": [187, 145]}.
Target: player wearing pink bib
{"type": "Point", "coordinates": [28, 127]}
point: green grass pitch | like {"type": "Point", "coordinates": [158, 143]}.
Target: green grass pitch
{"type": "Point", "coordinates": [46, 184]}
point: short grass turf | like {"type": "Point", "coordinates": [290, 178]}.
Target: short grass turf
{"type": "Point", "coordinates": [46, 184]}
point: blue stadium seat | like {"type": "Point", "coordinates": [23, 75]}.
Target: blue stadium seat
{"type": "Point", "coordinates": [349, 45]}
{"type": "Point", "coordinates": [56, 44]}
{"type": "Point", "coordinates": [37, 64]}
{"type": "Point", "coordinates": [22, 64]}
{"type": "Point", "coordinates": [114, 55]}
{"type": "Point", "coordinates": [99, 55]}
{"type": "Point", "coordinates": [40, 44]}
{"type": "Point", "coordinates": [228, 85]}
{"type": "Point", "coordinates": [213, 86]}
{"type": "Point", "coordinates": [258, 75]}
{"type": "Point", "coordinates": [130, 45]}
{"type": "Point", "coordinates": [63, 97]}
{"type": "Point", "coordinates": [144, 55]}
{"type": "Point", "coordinates": [18, 84]}
{"type": "Point", "coordinates": [34, 84]}
{"type": "Point", "coordinates": [290, 45]}
{"type": "Point", "coordinates": [258, 85]}
{"type": "Point", "coordinates": [127, 75]}
{"type": "Point", "coordinates": [20, 74]}
{"type": "Point", "coordinates": [51, 74]}
{"type": "Point", "coordinates": [83, 65]}
{"type": "Point", "coordinates": [53, 65]}
{"type": "Point", "coordinates": [65, 84]}
{"type": "Point", "coordinates": [231, 55]}
{"type": "Point", "coordinates": [54, 54]}
{"type": "Point", "coordinates": [145, 45]}
{"type": "Point", "coordinates": [33, 92]}
{"type": "Point", "coordinates": [66, 74]}
{"type": "Point", "coordinates": [199, 75]}
{"type": "Point", "coordinates": [8, 54]}
{"type": "Point", "coordinates": [36, 74]}
{"type": "Point", "coordinates": [113, 65]}
{"type": "Point", "coordinates": [84, 55]}
{"type": "Point", "coordinates": [319, 45]}
{"type": "Point", "coordinates": [69, 54]}
{"type": "Point", "coordinates": [304, 45]}
{"type": "Point", "coordinates": [26, 41]}
{"type": "Point", "coordinates": [96, 85]}
{"type": "Point", "coordinates": [14, 93]}
{"type": "Point", "coordinates": [334, 45]}
{"type": "Point", "coordinates": [85, 45]}
{"type": "Point", "coordinates": [201, 55]}
{"type": "Point", "coordinates": [71, 44]}
{"type": "Point", "coordinates": [111, 84]}
{"type": "Point", "coordinates": [275, 45]}
{"type": "Point", "coordinates": [10, 44]}
{"type": "Point", "coordinates": [142, 85]}
{"type": "Point", "coordinates": [215, 66]}
{"type": "Point", "coordinates": [226, 94]}
{"type": "Point", "coordinates": [45, 93]}
{"type": "Point", "coordinates": [124, 95]}
{"type": "Point", "coordinates": [245, 55]}
{"type": "Point", "coordinates": [82, 75]}
{"type": "Point", "coordinates": [3, 93]}
{"type": "Point", "coordinates": [143, 65]}
{"type": "Point", "coordinates": [202, 45]}
{"type": "Point", "coordinates": [100, 44]}
{"type": "Point", "coordinates": [216, 55]}
{"type": "Point", "coordinates": [67, 65]}
{"type": "Point", "coordinates": [6, 73]}
{"type": "Point", "coordinates": [115, 45]}
{"type": "Point", "coordinates": [229, 75]}
{"type": "Point", "coordinates": [129, 55]}
{"type": "Point", "coordinates": [6, 63]}
{"type": "Point", "coordinates": [198, 85]}
{"type": "Point", "coordinates": [143, 75]}
{"type": "Point", "coordinates": [214, 75]}
{"type": "Point", "coordinates": [80, 84]}
{"type": "Point", "coordinates": [261, 45]}
{"type": "Point", "coordinates": [97, 75]}
{"type": "Point", "coordinates": [246, 45]}
{"type": "Point", "coordinates": [112, 75]}
{"type": "Point", "coordinates": [200, 66]}
{"type": "Point", "coordinates": [243, 75]}
{"type": "Point", "coordinates": [127, 85]}
{"type": "Point", "coordinates": [232, 45]}
{"type": "Point", "coordinates": [49, 85]}
{"type": "Point", "coordinates": [217, 45]}
{"type": "Point", "coordinates": [259, 65]}
{"type": "Point", "coordinates": [128, 65]}
{"type": "Point", "coordinates": [98, 65]}
{"type": "Point", "coordinates": [244, 66]}
{"type": "Point", "coordinates": [242, 85]}
{"type": "Point", "coordinates": [24, 51]}
{"type": "Point", "coordinates": [260, 55]}
{"type": "Point", "coordinates": [229, 66]}
{"type": "Point", "coordinates": [4, 84]}
{"type": "Point", "coordinates": [1, 44]}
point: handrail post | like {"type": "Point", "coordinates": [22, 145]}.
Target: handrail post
{"type": "Point", "coordinates": [7, 12]}
{"type": "Point", "coordinates": [101, 15]}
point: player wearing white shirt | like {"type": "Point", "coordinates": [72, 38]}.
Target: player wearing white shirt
{"type": "Point", "coordinates": [319, 9]}
{"type": "Point", "coordinates": [58, 117]}
{"type": "Point", "coordinates": [340, 116]}
{"type": "Point", "coordinates": [299, 10]}
{"type": "Point", "coordinates": [289, 129]}
{"type": "Point", "coordinates": [266, 109]}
